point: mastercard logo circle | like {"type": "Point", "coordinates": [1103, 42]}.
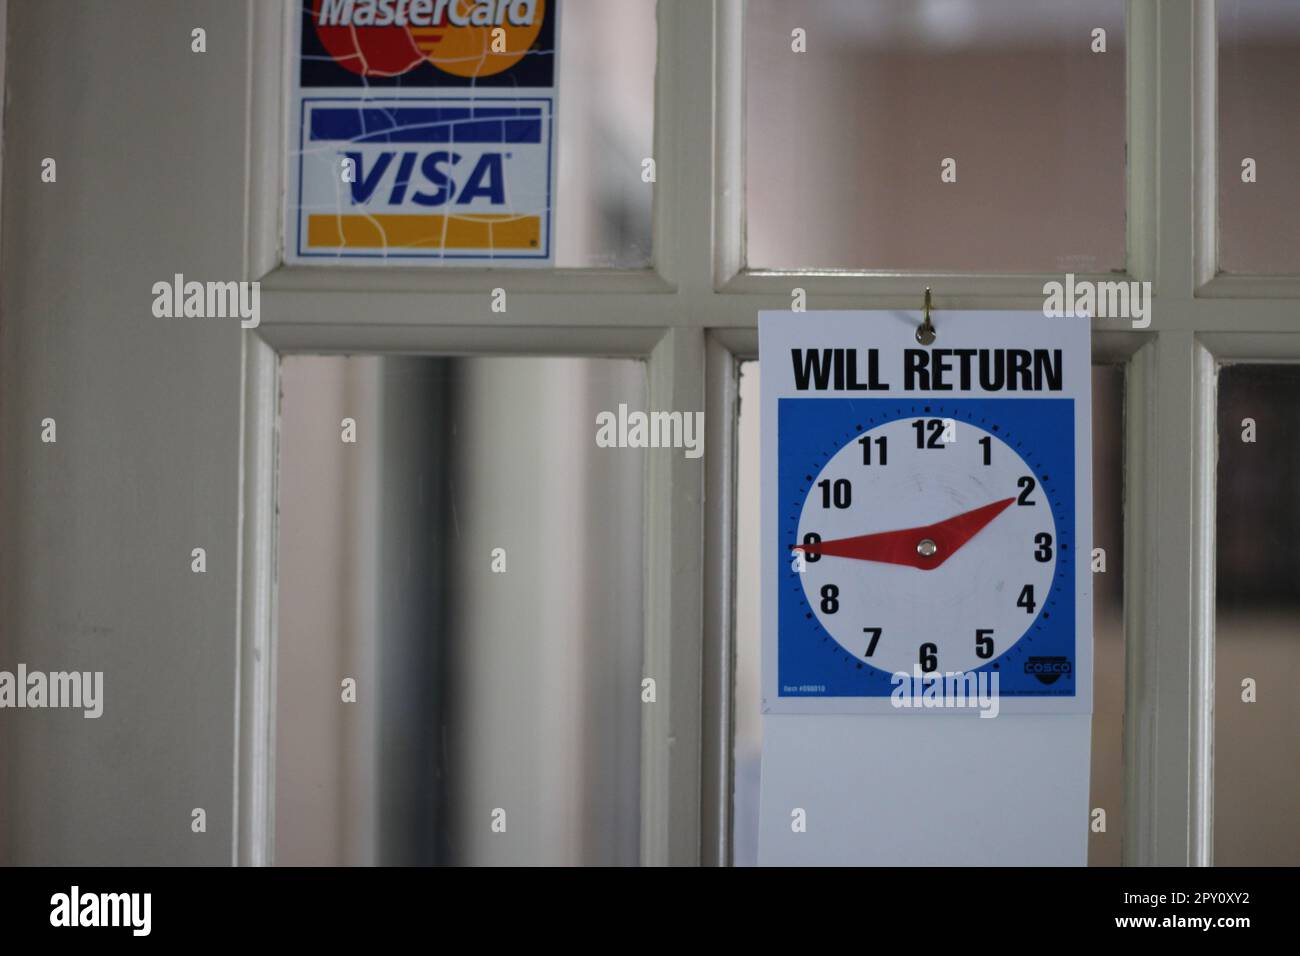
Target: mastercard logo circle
{"type": "Point", "coordinates": [469, 38]}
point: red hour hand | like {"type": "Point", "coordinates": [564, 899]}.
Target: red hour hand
{"type": "Point", "coordinates": [925, 548]}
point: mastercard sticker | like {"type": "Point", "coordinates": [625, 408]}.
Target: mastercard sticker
{"type": "Point", "coordinates": [424, 132]}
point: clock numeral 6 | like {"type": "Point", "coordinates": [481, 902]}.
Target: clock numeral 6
{"type": "Point", "coordinates": [875, 639]}
{"type": "Point", "coordinates": [812, 537]}
{"type": "Point", "coordinates": [866, 449]}
{"type": "Point", "coordinates": [984, 643]}
{"type": "Point", "coordinates": [1044, 552]}
{"type": "Point", "coordinates": [840, 493]}
{"type": "Point", "coordinates": [929, 658]}
{"type": "Point", "coordinates": [830, 598]}
{"type": "Point", "coordinates": [935, 425]}
{"type": "Point", "coordinates": [1026, 599]}
{"type": "Point", "coordinates": [1026, 486]}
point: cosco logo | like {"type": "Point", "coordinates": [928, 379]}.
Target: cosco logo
{"type": "Point", "coordinates": [1048, 669]}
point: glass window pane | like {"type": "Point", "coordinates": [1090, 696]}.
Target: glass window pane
{"type": "Point", "coordinates": [1257, 618]}
{"type": "Point", "coordinates": [847, 141]}
{"type": "Point", "coordinates": [1259, 138]}
{"type": "Point", "coordinates": [606, 129]}
{"type": "Point", "coordinates": [1107, 788]}
{"type": "Point", "coordinates": [487, 203]}
{"type": "Point", "coordinates": [1108, 656]}
{"type": "Point", "coordinates": [486, 679]}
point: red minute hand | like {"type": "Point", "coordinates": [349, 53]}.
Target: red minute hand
{"type": "Point", "coordinates": [905, 547]}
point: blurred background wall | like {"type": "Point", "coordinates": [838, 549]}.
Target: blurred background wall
{"type": "Point", "coordinates": [477, 690]}
{"type": "Point", "coordinates": [1257, 618]}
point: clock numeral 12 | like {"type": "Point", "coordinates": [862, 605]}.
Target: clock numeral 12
{"type": "Point", "coordinates": [841, 492]}
{"type": "Point", "coordinates": [984, 643]}
{"type": "Point", "coordinates": [936, 432]}
{"type": "Point", "coordinates": [866, 449]}
{"type": "Point", "coordinates": [875, 639]}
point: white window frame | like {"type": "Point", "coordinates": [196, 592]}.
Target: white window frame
{"type": "Point", "coordinates": [692, 317]}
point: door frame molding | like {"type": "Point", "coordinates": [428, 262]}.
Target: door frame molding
{"type": "Point", "coordinates": [692, 318]}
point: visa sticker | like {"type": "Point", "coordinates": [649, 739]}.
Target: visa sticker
{"type": "Point", "coordinates": [424, 132]}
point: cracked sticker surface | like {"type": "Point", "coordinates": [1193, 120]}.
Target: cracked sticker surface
{"type": "Point", "coordinates": [423, 131]}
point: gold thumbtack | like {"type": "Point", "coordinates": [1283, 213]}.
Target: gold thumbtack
{"type": "Point", "coordinates": [926, 333]}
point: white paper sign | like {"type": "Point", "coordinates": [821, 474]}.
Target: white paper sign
{"type": "Point", "coordinates": [927, 514]}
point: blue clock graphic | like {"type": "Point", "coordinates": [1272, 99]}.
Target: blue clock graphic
{"type": "Point", "coordinates": [925, 536]}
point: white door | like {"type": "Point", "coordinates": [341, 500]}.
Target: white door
{"type": "Point", "coordinates": [169, 161]}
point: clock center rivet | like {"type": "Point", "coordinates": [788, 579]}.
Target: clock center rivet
{"type": "Point", "coordinates": [926, 548]}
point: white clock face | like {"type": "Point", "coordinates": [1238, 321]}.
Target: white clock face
{"type": "Point", "coordinates": [948, 547]}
